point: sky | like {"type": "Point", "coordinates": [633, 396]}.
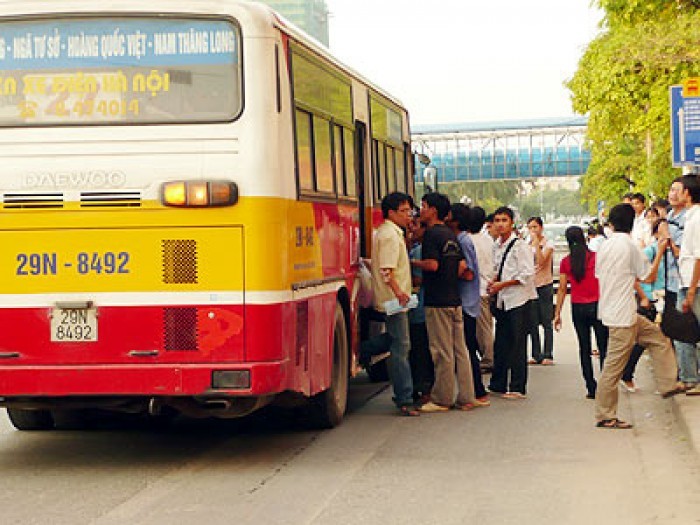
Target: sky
{"type": "Point", "coordinates": [464, 61]}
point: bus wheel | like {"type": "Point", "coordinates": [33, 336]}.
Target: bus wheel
{"type": "Point", "coordinates": [23, 419]}
{"type": "Point", "coordinates": [329, 406]}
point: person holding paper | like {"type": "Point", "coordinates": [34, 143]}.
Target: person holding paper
{"type": "Point", "coordinates": [391, 278]}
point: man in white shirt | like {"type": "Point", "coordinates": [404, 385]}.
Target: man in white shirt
{"type": "Point", "coordinates": [689, 269]}
{"type": "Point", "coordinates": [641, 229]}
{"type": "Point", "coordinates": [513, 287]}
{"type": "Point", "coordinates": [620, 266]}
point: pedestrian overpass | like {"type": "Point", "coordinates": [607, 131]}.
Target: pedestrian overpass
{"type": "Point", "coordinates": [511, 150]}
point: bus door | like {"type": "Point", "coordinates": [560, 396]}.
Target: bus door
{"type": "Point", "coordinates": [360, 145]}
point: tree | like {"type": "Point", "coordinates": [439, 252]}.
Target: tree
{"type": "Point", "coordinates": [622, 82]}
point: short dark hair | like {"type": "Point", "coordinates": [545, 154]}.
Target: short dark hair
{"type": "Point", "coordinates": [438, 201]}
{"type": "Point", "coordinates": [660, 203]}
{"type": "Point", "coordinates": [460, 214]}
{"type": "Point", "coordinates": [489, 218]}
{"type": "Point", "coordinates": [505, 210]}
{"type": "Point", "coordinates": [393, 201]}
{"type": "Point", "coordinates": [622, 217]}
{"type": "Point", "coordinates": [692, 185]}
{"type": "Point", "coordinates": [538, 220]}
{"type": "Point", "coordinates": [639, 197]}
{"type": "Point", "coordinates": [477, 218]}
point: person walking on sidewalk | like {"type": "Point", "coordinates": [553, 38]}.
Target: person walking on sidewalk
{"type": "Point", "coordinates": [689, 264]}
{"type": "Point", "coordinates": [542, 308]}
{"type": "Point", "coordinates": [578, 268]}
{"type": "Point", "coordinates": [391, 279]}
{"type": "Point", "coordinates": [620, 266]}
{"type": "Point", "coordinates": [442, 265]}
{"type": "Point", "coordinates": [512, 288]}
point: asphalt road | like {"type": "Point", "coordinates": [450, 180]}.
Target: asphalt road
{"type": "Point", "coordinates": [539, 461]}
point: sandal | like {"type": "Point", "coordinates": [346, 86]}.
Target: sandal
{"type": "Point", "coordinates": [613, 423]}
{"type": "Point", "coordinates": [408, 411]}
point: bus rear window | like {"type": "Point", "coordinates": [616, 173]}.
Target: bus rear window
{"type": "Point", "coordinates": [91, 71]}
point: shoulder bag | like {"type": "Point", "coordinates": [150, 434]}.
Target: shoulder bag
{"type": "Point", "coordinates": [493, 300]}
{"type": "Point", "coordinates": [676, 325]}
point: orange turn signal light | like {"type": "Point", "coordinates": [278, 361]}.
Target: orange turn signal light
{"type": "Point", "coordinates": [199, 194]}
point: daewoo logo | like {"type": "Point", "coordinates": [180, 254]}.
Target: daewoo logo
{"type": "Point", "coordinates": [75, 179]}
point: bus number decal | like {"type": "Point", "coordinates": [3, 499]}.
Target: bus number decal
{"type": "Point", "coordinates": [108, 263]}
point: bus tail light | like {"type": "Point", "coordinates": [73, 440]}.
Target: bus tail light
{"type": "Point", "coordinates": [199, 194]}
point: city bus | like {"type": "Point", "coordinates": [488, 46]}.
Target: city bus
{"type": "Point", "coordinates": [187, 190]}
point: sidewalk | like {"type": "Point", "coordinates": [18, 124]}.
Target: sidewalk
{"type": "Point", "coordinates": [687, 412]}
{"type": "Point", "coordinates": [685, 409]}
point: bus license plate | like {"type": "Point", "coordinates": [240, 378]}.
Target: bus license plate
{"type": "Point", "coordinates": [73, 325]}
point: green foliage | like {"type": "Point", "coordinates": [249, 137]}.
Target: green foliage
{"type": "Point", "coordinates": [623, 84]}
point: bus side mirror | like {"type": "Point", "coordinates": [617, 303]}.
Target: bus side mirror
{"type": "Point", "coordinates": [430, 179]}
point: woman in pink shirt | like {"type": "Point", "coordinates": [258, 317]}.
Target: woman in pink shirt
{"type": "Point", "coordinates": [578, 269]}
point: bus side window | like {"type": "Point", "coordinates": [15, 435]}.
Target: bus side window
{"type": "Point", "coordinates": [322, 154]}
{"type": "Point", "coordinates": [338, 158]}
{"type": "Point", "coordinates": [390, 171]}
{"type": "Point", "coordinates": [401, 171]}
{"type": "Point", "coordinates": [350, 176]}
{"type": "Point", "coordinates": [381, 172]}
{"type": "Point", "coordinates": [305, 162]}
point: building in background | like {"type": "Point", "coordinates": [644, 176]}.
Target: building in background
{"type": "Point", "coordinates": [309, 15]}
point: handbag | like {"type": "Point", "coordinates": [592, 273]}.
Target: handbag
{"type": "Point", "coordinates": [679, 326]}
{"type": "Point", "coordinates": [493, 299]}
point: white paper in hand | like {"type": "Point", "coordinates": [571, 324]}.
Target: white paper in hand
{"type": "Point", "coordinates": [393, 306]}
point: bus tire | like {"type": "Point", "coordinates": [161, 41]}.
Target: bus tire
{"type": "Point", "coordinates": [23, 419]}
{"type": "Point", "coordinates": [329, 406]}
{"type": "Point", "coordinates": [378, 372]}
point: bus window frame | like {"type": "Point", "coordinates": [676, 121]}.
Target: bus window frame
{"type": "Point", "coordinates": [339, 194]}
{"type": "Point", "coordinates": [145, 15]}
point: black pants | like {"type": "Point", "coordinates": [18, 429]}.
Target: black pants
{"type": "Point", "coordinates": [510, 350]}
{"type": "Point", "coordinates": [585, 318]}
{"type": "Point", "coordinates": [473, 347]}
{"type": "Point", "coordinates": [542, 314]}
{"type": "Point", "coordinates": [635, 355]}
{"type": "Point", "coordinates": [422, 369]}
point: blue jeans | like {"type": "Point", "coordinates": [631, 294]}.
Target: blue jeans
{"type": "Point", "coordinates": [398, 363]}
{"type": "Point", "coordinates": [687, 354]}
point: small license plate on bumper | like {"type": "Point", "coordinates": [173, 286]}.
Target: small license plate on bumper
{"type": "Point", "coordinates": [74, 325]}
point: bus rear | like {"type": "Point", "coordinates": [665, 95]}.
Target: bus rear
{"type": "Point", "coordinates": [133, 189]}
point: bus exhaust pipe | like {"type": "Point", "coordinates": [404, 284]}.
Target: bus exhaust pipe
{"type": "Point", "coordinates": [221, 407]}
{"type": "Point", "coordinates": [218, 404]}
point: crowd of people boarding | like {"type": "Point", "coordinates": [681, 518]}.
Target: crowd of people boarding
{"type": "Point", "coordinates": [461, 293]}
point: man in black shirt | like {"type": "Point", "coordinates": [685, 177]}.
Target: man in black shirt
{"type": "Point", "coordinates": [442, 265]}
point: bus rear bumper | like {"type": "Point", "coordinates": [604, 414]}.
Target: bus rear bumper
{"type": "Point", "coordinates": [140, 380]}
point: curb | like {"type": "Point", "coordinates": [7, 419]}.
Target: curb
{"type": "Point", "coordinates": [687, 413]}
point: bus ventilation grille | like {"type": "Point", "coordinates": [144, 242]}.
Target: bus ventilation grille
{"type": "Point", "coordinates": [180, 329]}
{"type": "Point", "coordinates": [180, 262]}
{"type": "Point", "coordinates": [112, 199]}
{"type": "Point", "coordinates": [17, 201]}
